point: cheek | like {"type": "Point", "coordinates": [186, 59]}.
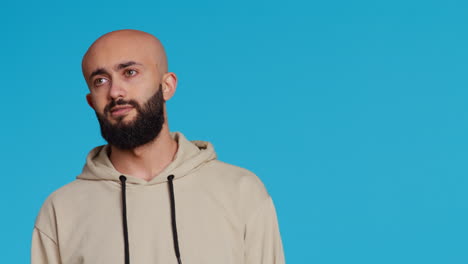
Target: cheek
{"type": "Point", "coordinates": [98, 103]}
{"type": "Point", "coordinates": [150, 84]}
{"type": "Point", "coordinates": [143, 93]}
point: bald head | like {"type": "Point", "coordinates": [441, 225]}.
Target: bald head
{"type": "Point", "coordinates": [124, 46]}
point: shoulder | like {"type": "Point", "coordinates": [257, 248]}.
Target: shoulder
{"type": "Point", "coordinates": [63, 197]}
{"type": "Point", "coordinates": [62, 194]}
{"type": "Point", "coordinates": [243, 186]}
{"type": "Point", "coordinates": [233, 175]}
{"type": "Point", "coordinates": [47, 216]}
{"type": "Point", "coordinates": [68, 191]}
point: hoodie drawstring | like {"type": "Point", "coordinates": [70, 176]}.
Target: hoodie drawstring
{"type": "Point", "coordinates": [170, 179]}
{"type": "Point", "coordinates": [124, 219]}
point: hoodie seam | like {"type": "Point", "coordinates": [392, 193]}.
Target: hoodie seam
{"type": "Point", "coordinates": [46, 235]}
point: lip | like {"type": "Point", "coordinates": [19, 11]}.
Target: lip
{"type": "Point", "coordinates": [120, 110]}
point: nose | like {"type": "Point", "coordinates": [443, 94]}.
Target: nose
{"type": "Point", "coordinates": [117, 90]}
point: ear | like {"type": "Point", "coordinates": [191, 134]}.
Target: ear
{"type": "Point", "coordinates": [90, 102]}
{"type": "Point", "coordinates": [169, 85]}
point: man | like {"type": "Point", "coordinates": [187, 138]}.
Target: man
{"type": "Point", "coordinates": [150, 195]}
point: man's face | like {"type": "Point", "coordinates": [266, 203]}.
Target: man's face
{"type": "Point", "coordinates": [125, 90]}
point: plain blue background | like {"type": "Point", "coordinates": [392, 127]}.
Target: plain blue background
{"type": "Point", "coordinates": [353, 113]}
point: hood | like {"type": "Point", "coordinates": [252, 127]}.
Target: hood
{"type": "Point", "coordinates": [189, 156]}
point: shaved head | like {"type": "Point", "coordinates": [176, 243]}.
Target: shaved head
{"type": "Point", "coordinates": [119, 45]}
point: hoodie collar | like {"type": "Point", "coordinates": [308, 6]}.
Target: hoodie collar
{"type": "Point", "coordinates": [189, 156]}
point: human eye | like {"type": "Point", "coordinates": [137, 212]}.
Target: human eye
{"type": "Point", "coordinates": [130, 72]}
{"type": "Point", "coordinates": [100, 81]}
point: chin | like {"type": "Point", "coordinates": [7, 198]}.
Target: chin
{"type": "Point", "coordinates": [122, 120]}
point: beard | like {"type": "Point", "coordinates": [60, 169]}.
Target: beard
{"type": "Point", "coordinates": [145, 127]}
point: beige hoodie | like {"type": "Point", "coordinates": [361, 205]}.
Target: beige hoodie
{"type": "Point", "coordinates": [223, 215]}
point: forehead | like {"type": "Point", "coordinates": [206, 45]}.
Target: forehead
{"type": "Point", "coordinates": [108, 53]}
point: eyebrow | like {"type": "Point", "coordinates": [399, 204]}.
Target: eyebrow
{"type": "Point", "coordinates": [98, 72]}
{"type": "Point", "coordinates": [126, 64]}
{"type": "Point", "coordinates": [119, 66]}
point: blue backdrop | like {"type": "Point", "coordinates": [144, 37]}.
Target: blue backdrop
{"type": "Point", "coordinates": [353, 113]}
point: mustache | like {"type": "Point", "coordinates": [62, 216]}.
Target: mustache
{"type": "Point", "coordinates": [121, 102]}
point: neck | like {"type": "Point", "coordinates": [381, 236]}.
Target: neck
{"type": "Point", "coordinates": [147, 161]}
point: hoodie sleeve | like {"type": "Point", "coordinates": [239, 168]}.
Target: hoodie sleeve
{"type": "Point", "coordinates": [44, 250]}
{"type": "Point", "coordinates": [262, 237]}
